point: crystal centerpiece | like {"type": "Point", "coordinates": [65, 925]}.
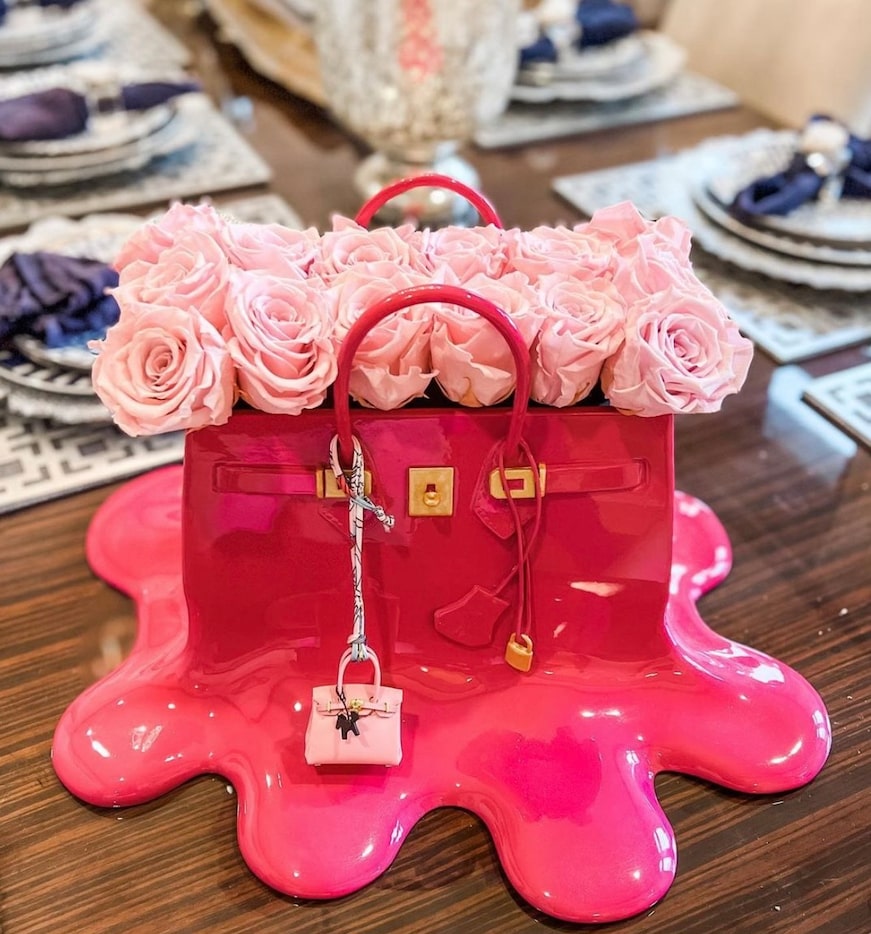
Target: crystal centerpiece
{"type": "Point", "coordinates": [413, 79]}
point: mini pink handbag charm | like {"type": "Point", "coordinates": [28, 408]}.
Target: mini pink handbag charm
{"type": "Point", "coordinates": [354, 724]}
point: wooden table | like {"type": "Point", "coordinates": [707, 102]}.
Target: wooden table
{"type": "Point", "coordinates": [792, 493]}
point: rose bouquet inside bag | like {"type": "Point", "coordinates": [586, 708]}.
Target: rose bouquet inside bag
{"type": "Point", "coordinates": [217, 314]}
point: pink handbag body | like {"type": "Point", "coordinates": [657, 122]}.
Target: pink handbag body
{"type": "Point", "coordinates": [266, 535]}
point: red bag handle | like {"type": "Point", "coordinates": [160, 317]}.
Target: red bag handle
{"type": "Point", "coordinates": [428, 180]}
{"type": "Point", "coordinates": [419, 295]}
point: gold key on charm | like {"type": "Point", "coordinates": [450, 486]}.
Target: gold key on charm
{"type": "Point", "coordinates": [519, 656]}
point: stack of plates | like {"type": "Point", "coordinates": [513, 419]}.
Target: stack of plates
{"type": "Point", "coordinates": [119, 141]}
{"type": "Point", "coordinates": [825, 244]}
{"type": "Point", "coordinates": [36, 35]}
{"type": "Point", "coordinates": [37, 381]}
{"type": "Point", "coordinates": [625, 68]}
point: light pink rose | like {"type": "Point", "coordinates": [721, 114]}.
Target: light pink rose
{"type": "Point", "coordinates": [547, 250]}
{"type": "Point", "coordinates": [191, 275]}
{"type": "Point", "coordinates": [393, 365]}
{"type": "Point", "coordinates": [473, 362]}
{"type": "Point", "coordinates": [467, 251]}
{"type": "Point", "coordinates": [582, 327]}
{"type": "Point", "coordinates": [163, 369]}
{"type": "Point", "coordinates": [349, 244]}
{"type": "Point", "coordinates": [648, 256]}
{"type": "Point", "coordinates": [682, 353]}
{"type": "Point", "coordinates": [647, 266]}
{"type": "Point", "coordinates": [147, 243]}
{"type": "Point", "coordinates": [618, 223]}
{"type": "Point", "coordinates": [271, 249]}
{"type": "Point", "coordinates": [279, 335]}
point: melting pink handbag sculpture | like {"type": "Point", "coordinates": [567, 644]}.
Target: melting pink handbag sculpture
{"type": "Point", "coordinates": [534, 602]}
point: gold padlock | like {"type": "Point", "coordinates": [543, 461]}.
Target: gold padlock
{"type": "Point", "coordinates": [519, 656]}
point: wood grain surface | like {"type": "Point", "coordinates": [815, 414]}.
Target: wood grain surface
{"type": "Point", "coordinates": [793, 493]}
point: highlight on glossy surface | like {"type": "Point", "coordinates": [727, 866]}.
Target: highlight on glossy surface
{"type": "Point", "coordinates": [559, 762]}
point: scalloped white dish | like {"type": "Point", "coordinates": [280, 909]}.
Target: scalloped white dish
{"type": "Point", "coordinates": [105, 132]}
{"type": "Point", "coordinates": [660, 63]}
{"type": "Point", "coordinates": [844, 224]}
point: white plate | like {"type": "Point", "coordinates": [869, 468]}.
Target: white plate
{"type": "Point", "coordinates": [32, 28]}
{"type": "Point", "coordinates": [842, 224]}
{"type": "Point", "coordinates": [105, 131]}
{"type": "Point", "coordinates": [801, 249]}
{"type": "Point", "coordinates": [697, 165]}
{"type": "Point", "coordinates": [594, 62]}
{"type": "Point", "coordinates": [42, 35]}
{"type": "Point", "coordinates": [176, 135]}
{"type": "Point", "coordinates": [660, 62]}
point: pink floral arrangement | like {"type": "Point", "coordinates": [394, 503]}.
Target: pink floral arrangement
{"type": "Point", "coordinates": [214, 311]}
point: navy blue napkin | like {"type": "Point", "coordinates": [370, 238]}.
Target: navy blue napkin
{"type": "Point", "coordinates": [603, 21]}
{"type": "Point", "coordinates": [54, 296]}
{"type": "Point", "coordinates": [800, 183]}
{"type": "Point", "coordinates": [57, 113]}
{"type": "Point", "coordinates": [63, 4]}
{"type": "Point", "coordinates": [600, 22]}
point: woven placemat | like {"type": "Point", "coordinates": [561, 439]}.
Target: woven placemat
{"type": "Point", "coordinates": [41, 460]}
{"type": "Point", "coordinates": [789, 322]}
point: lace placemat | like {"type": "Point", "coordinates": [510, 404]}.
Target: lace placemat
{"type": "Point", "coordinates": [789, 322]}
{"type": "Point", "coordinates": [218, 159]}
{"type": "Point", "coordinates": [41, 460]}
{"type": "Point", "coordinates": [688, 94]}
{"type": "Point", "coordinates": [845, 398]}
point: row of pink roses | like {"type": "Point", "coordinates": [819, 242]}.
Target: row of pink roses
{"type": "Point", "coordinates": [212, 311]}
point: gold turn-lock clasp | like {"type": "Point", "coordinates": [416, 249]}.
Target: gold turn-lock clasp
{"type": "Point", "coordinates": [430, 491]}
{"type": "Point", "coordinates": [525, 489]}
{"type": "Point", "coordinates": [327, 487]}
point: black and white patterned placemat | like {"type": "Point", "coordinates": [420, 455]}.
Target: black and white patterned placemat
{"type": "Point", "coordinates": [789, 322]}
{"type": "Point", "coordinates": [845, 398]}
{"type": "Point", "coordinates": [218, 159]}
{"type": "Point", "coordinates": [520, 124]}
{"type": "Point", "coordinates": [41, 460]}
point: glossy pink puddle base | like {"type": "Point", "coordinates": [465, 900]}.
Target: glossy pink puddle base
{"type": "Point", "coordinates": [559, 763]}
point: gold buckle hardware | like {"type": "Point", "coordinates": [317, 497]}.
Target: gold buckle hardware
{"type": "Point", "coordinates": [526, 490]}
{"type": "Point", "coordinates": [326, 486]}
{"type": "Point", "coordinates": [430, 491]}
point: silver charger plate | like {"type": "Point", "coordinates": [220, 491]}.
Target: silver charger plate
{"type": "Point", "coordinates": [844, 224]}
{"type": "Point", "coordinates": [661, 62]}
{"type": "Point", "coordinates": [65, 410]}
{"type": "Point", "coordinates": [73, 355]}
{"type": "Point", "coordinates": [16, 370]}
